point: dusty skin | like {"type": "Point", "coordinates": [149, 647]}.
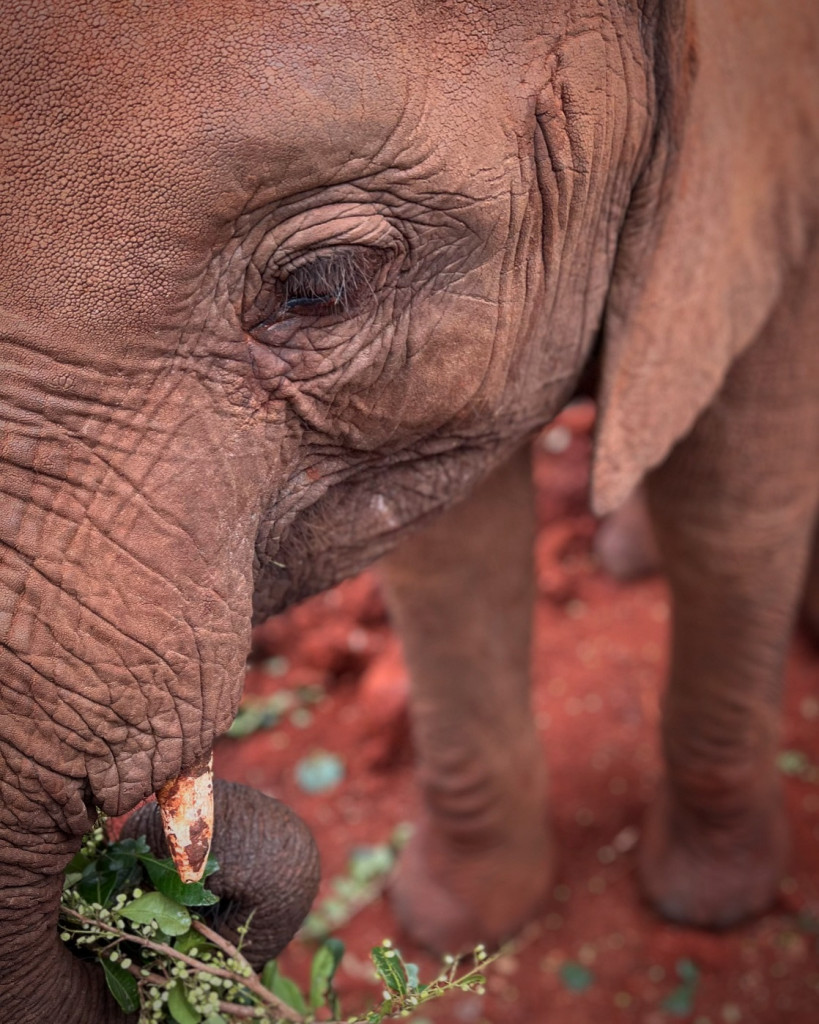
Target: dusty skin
{"type": "Point", "coordinates": [287, 289]}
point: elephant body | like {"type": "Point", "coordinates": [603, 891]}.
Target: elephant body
{"type": "Point", "coordinates": [286, 289]}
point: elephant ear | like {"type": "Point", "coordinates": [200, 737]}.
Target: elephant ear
{"type": "Point", "coordinates": [699, 264]}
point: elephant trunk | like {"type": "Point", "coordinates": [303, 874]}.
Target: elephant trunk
{"type": "Point", "coordinates": [40, 980]}
{"type": "Point", "coordinates": [269, 866]}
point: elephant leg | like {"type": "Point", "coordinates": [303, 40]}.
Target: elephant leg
{"type": "Point", "coordinates": [733, 510]}
{"type": "Point", "coordinates": [461, 593]}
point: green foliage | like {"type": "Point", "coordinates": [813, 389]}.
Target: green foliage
{"type": "Point", "coordinates": [391, 970]}
{"type": "Point", "coordinates": [796, 764]}
{"type": "Point", "coordinates": [179, 1005]}
{"type": "Point", "coordinates": [323, 969]}
{"type": "Point", "coordinates": [166, 880]}
{"type": "Point", "coordinates": [122, 984]}
{"type": "Point", "coordinates": [285, 988]}
{"type": "Point", "coordinates": [680, 1002]}
{"type": "Point", "coordinates": [256, 713]}
{"type": "Point", "coordinates": [170, 916]}
{"type": "Point", "coordinates": [576, 977]}
{"type": "Point", "coordinates": [403, 992]}
{"type": "Point", "coordinates": [159, 957]}
{"type": "Point", "coordinates": [367, 873]}
{"type": "Point", "coordinates": [319, 772]}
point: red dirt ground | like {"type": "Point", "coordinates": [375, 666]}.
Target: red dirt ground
{"type": "Point", "coordinates": [600, 654]}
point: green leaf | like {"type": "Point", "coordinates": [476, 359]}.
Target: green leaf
{"type": "Point", "coordinates": [319, 772]}
{"type": "Point", "coordinates": [74, 869]}
{"type": "Point", "coordinates": [390, 968]}
{"type": "Point", "coordinates": [113, 871]}
{"type": "Point", "coordinates": [179, 1007]}
{"type": "Point", "coordinates": [172, 918]}
{"type": "Point", "coordinates": [687, 971]}
{"type": "Point", "coordinates": [122, 986]}
{"type": "Point", "coordinates": [283, 987]}
{"type": "Point", "coordinates": [165, 877]}
{"type": "Point", "coordinates": [792, 762]}
{"type": "Point", "coordinates": [192, 940]}
{"type": "Point", "coordinates": [217, 1018]}
{"type": "Point", "coordinates": [325, 963]}
{"type": "Point", "coordinates": [251, 718]}
{"type": "Point", "coordinates": [413, 977]}
{"type": "Point", "coordinates": [681, 1001]}
{"type": "Point", "coordinates": [368, 863]}
{"type": "Point", "coordinates": [268, 975]}
{"type": "Point", "coordinates": [576, 977]}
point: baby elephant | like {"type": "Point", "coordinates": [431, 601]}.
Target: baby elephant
{"type": "Point", "coordinates": [287, 288]}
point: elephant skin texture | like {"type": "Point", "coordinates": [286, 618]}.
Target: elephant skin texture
{"type": "Point", "coordinates": [288, 288]}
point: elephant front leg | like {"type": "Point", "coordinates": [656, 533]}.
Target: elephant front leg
{"type": "Point", "coordinates": [733, 510]}
{"type": "Point", "coordinates": [461, 593]}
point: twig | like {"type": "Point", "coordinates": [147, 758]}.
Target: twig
{"type": "Point", "coordinates": [157, 947]}
{"type": "Point", "coordinates": [153, 979]}
{"type": "Point", "coordinates": [234, 1009]}
{"type": "Point", "coordinates": [220, 942]}
{"type": "Point", "coordinates": [242, 1012]}
{"type": "Point", "coordinates": [253, 984]}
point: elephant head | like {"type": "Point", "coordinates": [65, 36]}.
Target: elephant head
{"type": "Point", "coordinates": [279, 282]}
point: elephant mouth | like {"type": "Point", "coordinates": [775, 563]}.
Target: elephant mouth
{"type": "Point", "coordinates": [186, 810]}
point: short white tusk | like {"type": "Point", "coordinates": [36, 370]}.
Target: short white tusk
{"type": "Point", "coordinates": [186, 806]}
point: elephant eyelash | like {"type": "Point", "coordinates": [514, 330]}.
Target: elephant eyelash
{"type": "Point", "coordinates": [329, 284]}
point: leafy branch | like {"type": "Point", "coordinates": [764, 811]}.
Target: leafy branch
{"type": "Point", "coordinates": [131, 911]}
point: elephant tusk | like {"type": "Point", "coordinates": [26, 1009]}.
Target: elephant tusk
{"type": "Point", "coordinates": [186, 808]}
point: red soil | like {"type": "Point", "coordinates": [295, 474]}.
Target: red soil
{"type": "Point", "coordinates": [600, 654]}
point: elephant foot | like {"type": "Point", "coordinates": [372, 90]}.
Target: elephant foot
{"type": "Point", "coordinates": [625, 544]}
{"type": "Point", "coordinates": [712, 874]}
{"type": "Point", "coordinates": [450, 898]}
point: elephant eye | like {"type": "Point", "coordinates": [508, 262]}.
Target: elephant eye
{"type": "Point", "coordinates": [332, 284]}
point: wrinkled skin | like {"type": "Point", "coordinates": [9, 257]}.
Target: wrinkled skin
{"type": "Point", "coordinates": [281, 282]}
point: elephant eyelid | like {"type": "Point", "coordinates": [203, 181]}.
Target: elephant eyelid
{"type": "Point", "coordinates": [333, 283]}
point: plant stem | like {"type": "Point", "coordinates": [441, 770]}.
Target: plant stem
{"type": "Point", "coordinates": [253, 984]}
{"type": "Point", "coordinates": [153, 979]}
{"type": "Point", "coordinates": [242, 1012]}
{"type": "Point", "coordinates": [220, 942]}
{"type": "Point", "coordinates": [234, 1009]}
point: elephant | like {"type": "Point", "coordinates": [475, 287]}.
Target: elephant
{"type": "Point", "coordinates": [287, 289]}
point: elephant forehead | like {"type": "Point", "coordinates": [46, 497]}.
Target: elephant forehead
{"type": "Point", "coordinates": [137, 133]}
